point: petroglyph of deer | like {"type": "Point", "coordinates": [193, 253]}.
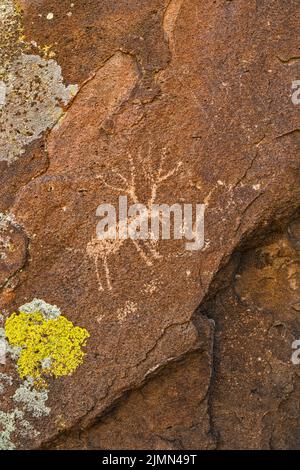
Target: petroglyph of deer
{"type": "Point", "coordinates": [100, 250]}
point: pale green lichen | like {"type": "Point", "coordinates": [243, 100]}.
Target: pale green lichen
{"type": "Point", "coordinates": [4, 378]}
{"type": "Point", "coordinates": [32, 400]}
{"type": "Point", "coordinates": [2, 93]}
{"type": "Point", "coordinates": [50, 312]}
{"type": "Point", "coordinates": [31, 88]}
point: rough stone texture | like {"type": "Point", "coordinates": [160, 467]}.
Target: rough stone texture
{"type": "Point", "coordinates": [255, 400]}
{"type": "Point", "coordinates": [169, 412]}
{"type": "Point", "coordinates": [178, 101]}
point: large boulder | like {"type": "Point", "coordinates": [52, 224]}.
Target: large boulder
{"type": "Point", "coordinates": [163, 102]}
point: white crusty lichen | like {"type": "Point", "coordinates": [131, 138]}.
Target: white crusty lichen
{"type": "Point", "coordinates": [50, 312]}
{"type": "Point", "coordinates": [10, 31]}
{"type": "Point", "coordinates": [5, 220]}
{"type": "Point", "coordinates": [32, 91]}
{"type": "Point", "coordinates": [46, 363]}
{"type": "Point", "coordinates": [4, 378]}
{"type": "Point", "coordinates": [8, 426]}
{"type": "Point", "coordinates": [33, 400]}
{"type": "Point", "coordinates": [5, 240]}
{"type": "Point", "coordinates": [29, 402]}
{"type": "Point", "coordinates": [6, 348]}
{"type": "Point", "coordinates": [14, 423]}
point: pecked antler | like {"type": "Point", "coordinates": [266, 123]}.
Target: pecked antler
{"type": "Point", "coordinates": [130, 186]}
{"type": "Point", "coordinates": [161, 177]}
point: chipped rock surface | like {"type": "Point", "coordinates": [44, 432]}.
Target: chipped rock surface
{"type": "Point", "coordinates": [176, 101]}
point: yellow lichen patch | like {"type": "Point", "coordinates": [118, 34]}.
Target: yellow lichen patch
{"type": "Point", "coordinates": [49, 347]}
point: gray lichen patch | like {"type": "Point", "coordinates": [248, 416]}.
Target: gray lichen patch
{"type": "Point", "coordinates": [33, 400]}
{"type": "Point", "coordinates": [4, 379]}
{"type": "Point", "coordinates": [5, 241]}
{"type": "Point", "coordinates": [7, 349]}
{"type": "Point", "coordinates": [13, 423]}
{"type": "Point", "coordinates": [32, 92]}
{"type": "Point", "coordinates": [10, 34]}
{"type": "Point", "coordinates": [35, 94]}
{"type": "Point", "coordinates": [50, 312]}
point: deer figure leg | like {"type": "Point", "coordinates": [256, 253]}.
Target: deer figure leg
{"type": "Point", "coordinates": [107, 273]}
{"type": "Point", "coordinates": [142, 253]}
{"type": "Point", "coordinates": [100, 286]}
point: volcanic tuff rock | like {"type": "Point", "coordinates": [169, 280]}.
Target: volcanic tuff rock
{"type": "Point", "coordinates": [164, 101]}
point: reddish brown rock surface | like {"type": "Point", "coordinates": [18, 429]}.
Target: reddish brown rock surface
{"type": "Point", "coordinates": [169, 412]}
{"type": "Point", "coordinates": [177, 101]}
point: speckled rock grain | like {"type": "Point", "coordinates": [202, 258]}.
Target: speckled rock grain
{"type": "Point", "coordinates": [202, 91]}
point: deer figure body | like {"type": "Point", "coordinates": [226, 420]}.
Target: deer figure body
{"type": "Point", "coordinates": [100, 250]}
